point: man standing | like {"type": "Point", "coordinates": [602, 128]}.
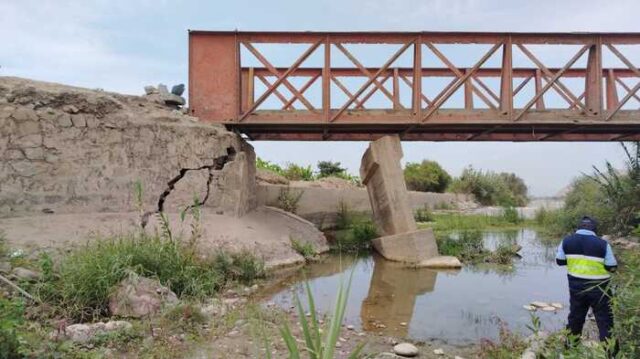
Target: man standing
{"type": "Point", "coordinates": [589, 260]}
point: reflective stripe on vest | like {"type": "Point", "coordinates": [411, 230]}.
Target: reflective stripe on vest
{"type": "Point", "coordinates": [586, 267]}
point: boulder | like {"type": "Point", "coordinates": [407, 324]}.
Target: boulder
{"type": "Point", "coordinates": [25, 274]}
{"type": "Point", "coordinates": [405, 350]}
{"type": "Point", "coordinates": [441, 262]}
{"type": "Point", "coordinates": [82, 333]}
{"type": "Point", "coordinates": [137, 297]}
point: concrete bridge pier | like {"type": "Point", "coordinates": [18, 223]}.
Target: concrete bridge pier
{"type": "Point", "coordinates": [400, 239]}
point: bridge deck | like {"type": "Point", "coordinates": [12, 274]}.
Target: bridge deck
{"type": "Point", "coordinates": [503, 92]}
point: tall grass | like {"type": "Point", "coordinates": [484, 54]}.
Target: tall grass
{"type": "Point", "coordinates": [443, 222]}
{"type": "Point", "coordinates": [83, 280]}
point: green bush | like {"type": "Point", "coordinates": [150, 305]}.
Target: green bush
{"type": "Point", "coordinates": [11, 317]}
{"type": "Point", "coordinates": [490, 188]}
{"type": "Point", "coordinates": [357, 237]}
{"type": "Point", "coordinates": [266, 165]}
{"type": "Point", "coordinates": [81, 285]}
{"type": "Point", "coordinates": [288, 199]}
{"type": "Point", "coordinates": [427, 176]}
{"type": "Point", "coordinates": [328, 168]}
{"type": "Point", "coordinates": [304, 249]}
{"type": "Point", "coordinates": [468, 246]}
{"type": "Point", "coordinates": [511, 215]}
{"type": "Point", "coordinates": [294, 172]}
{"type": "Point", "coordinates": [423, 215]}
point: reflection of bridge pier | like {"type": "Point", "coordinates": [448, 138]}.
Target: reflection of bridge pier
{"type": "Point", "coordinates": [392, 296]}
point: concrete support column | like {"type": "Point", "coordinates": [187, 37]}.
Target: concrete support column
{"type": "Point", "coordinates": [382, 174]}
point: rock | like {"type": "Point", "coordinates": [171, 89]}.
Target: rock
{"type": "Point", "coordinates": [350, 327]}
{"type": "Point", "coordinates": [70, 109]}
{"type": "Point", "coordinates": [162, 89]}
{"type": "Point", "coordinates": [25, 274]}
{"type": "Point", "coordinates": [458, 357]}
{"type": "Point", "coordinates": [82, 333]}
{"type": "Point", "coordinates": [539, 304]}
{"type": "Point", "coordinates": [405, 350]}
{"type": "Point", "coordinates": [139, 296]}
{"type": "Point", "coordinates": [5, 267]}
{"type": "Point", "coordinates": [441, 262]}
{"type": "Point", "coordinates": [178, 90]}
{"type": "Point", "coordinates": [403, 324]}
{"type": "Point", "coordinates": [557, 305]}
{"type": "Point", "coordinates": [150, 90]}
{"type": "Point", "coordinates": [530, 308]}
{"type": "Point", "coordinates": [171, 99]}
{"type": "Point", "coordinates": [438, 351]}
{"type": "Point", "coordinates": [528, 354]}
{"type": "Point", "coordinates": [386, 355]}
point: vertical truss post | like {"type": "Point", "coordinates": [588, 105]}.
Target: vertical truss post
{"type": "Point", "coordinates": [248, 92]}
{"type": "Point", "coordinates": [396, 90]}
{"type": "Point", "coordinates": [326, 80]}
{"type": "Point", "coordinates": [540, 102]}
{"type": "Point", "coordinates": [506, 80]}
{"type": "Point", "coordinates": [612, 93]}
{"type": "Point", "coordinates": [416, 103]}
{"type": "Point", "coordinates": [593, 79]}
{"type": "Point", "coordinates": [468, 93]}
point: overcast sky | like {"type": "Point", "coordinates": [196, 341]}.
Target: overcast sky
{"type": "Point", "coordinates": [124, 45]}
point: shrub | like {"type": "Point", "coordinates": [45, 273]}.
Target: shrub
{"type": "Point", "coordinates": [511, 215]}
{"type": "Point", "coordinates": [357, 237]}
{"type": "Point", "coordinates": [427, 176]}
{"type": "Point", "coordinates": [304, 249]}
{"type": "Point", "coordinates": [423, 215]}
{"type": "Point", "coordinates": [328, 168]}
{"type": "Point", "coordinates": [294, 172]}
{"type": "Point", "coordinates": [288, 199]}
{"type": "Point", "coordinates": [266, 165]}
{"type": "Point", "coordinates": [11, 317]}
{"type": "Point", "coordinates": [490, 188]}
{"type": "Point", "coordinates": [467, 245]}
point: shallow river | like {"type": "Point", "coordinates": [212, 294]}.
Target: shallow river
{"type": "Point", "coordinates": [458, 307]}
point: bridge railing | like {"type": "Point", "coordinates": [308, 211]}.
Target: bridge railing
{"type": "Point", "coordinates": [224, 87]}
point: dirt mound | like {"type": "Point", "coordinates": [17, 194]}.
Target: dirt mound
{"type": "Point", "coordinates": [266, 176]}
{"type": "Point", "coordinates": [326, 182]}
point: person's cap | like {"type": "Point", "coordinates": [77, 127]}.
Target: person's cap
{"type": "Point", "coordinates": [588, 223]}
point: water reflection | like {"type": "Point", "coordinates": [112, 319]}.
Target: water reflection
{"type": "Point", "coordinates": [393, 290]}
{"type": "Point", "coordinates": [459, 307]}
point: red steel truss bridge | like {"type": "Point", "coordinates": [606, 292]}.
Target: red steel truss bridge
{"type": "Point", "coordinates": [424, 86]}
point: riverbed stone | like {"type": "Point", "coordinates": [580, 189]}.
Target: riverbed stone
{"type": "Point", "coordinates": [443, 262]}
{"type": "Point", "coordinates": [25, 274]}
{"type": "Point", "coordinates": [406, 350]}
{"type": "Point", "coordinates": [137, 297]}
{"type": "Point", "coordinates": [82, 333]}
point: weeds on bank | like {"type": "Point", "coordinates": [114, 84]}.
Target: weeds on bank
{"type": "Point", "coordinates": [288, 199]}
{"type": "Point", "coordinates": [353, 231]}
{"type": "Point", "coordinates": [305, 249]}
{"type": "Point", "coordinates": [319, 342]}
{"type": "Point", "coordinates": [446, 222]}
{"type": "Point", "coordinates": [469, 247]}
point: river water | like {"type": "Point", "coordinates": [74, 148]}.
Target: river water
{"type": "Point", "coordinates": [457, 307]}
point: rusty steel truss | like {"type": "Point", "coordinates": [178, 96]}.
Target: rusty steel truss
{"type": "Point", "coordinates": [224, 90]}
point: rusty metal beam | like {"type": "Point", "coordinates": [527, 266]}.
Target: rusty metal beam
{"type": "Point", "coordinates": [222, 87]}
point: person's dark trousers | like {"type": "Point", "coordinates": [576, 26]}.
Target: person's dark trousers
{"type": "Point", "coordinates": [584, 296]}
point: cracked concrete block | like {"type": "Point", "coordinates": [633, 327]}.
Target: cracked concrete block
{"type": "Point", "coordinates": [382, 174]}
{"type": "Point", "coordinates": [25, 128]}
{"type": "Point", "coordinates": [24, 114]}
{"type": "Point", "coordinates": [78, 121]}
{"type": "Point", "coordinates": [412, 247]}
{"type": "Point", "coordinates": [36, 153]}
{"type": "Point", "coordinates": [64, 120]}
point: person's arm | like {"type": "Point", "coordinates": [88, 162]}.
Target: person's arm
{"type": "Point", "coordinates": [610, 262]}
{"type": "Point", "coordinates": [561, 258]}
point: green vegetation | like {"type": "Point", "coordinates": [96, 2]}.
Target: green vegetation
{"type": "Point", "coordinates": [427, 176]}
{"type": "Point", "coordinates": [11, 318]}
{"type": "Point", "coordinates": [446, 222]}
{"type": "Point", "coordinates": [423, 214]}
{"type": "Point", "coordinates": [288, 199]}
{"type": "Point", "coordinates": [315, 345]}
{"type": "Point", "coordinates": [294, 172]}
{"type": "Point", "coordinates": [468, 246]}
{"type": "Point", "coordinates": [491, 188]}
{"type": "Point", "coordinates": [328, 168]}
{"type": "Point", "coordinates": [610, 196]}
{"type": "Point", "coordinates": [353, 231]}
{"type": "Point", "coordinates": [304, 249]}
{"type": "Point", "coordinates": [80, 285]}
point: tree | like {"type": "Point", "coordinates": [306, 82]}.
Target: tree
{"type": "Point", "coordinates": [427, 176]}
{"type": "Point", "coordinates": [328, 168]}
